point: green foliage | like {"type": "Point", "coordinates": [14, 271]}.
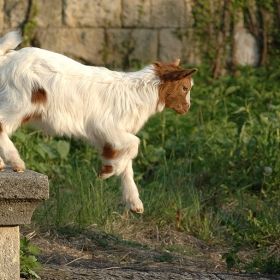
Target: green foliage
{"type": "Point", "coordinates": [31, 23]}
{"type": "Point", "coordinates": [213, 174]}
{"type": "Point", "coordinates": [215, 22]}
{"type": "Point", "coordinates": [261, 263]}
{"type": "Point", "coordinates": [165, 257]}
{"type": "Point", "coordinates": [54, 151]}
{"type": "Point", "coordinates": [28, 261]}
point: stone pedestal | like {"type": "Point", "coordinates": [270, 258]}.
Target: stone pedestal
{"type": "Point", "coordinates": [20, 193]}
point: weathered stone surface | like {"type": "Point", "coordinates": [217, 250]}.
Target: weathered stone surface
{"type": "Point", "coordinates": [170, 45]}
{"type": "Point", "coordinates": [9, 253]}
{"type": "Point", "coordinates": [247, 52]}
{"type": "Point", "coordinates": [20, 193]}
{"type": "Point", "coordinates": [23, 185]}
{"type": "Point", "coordinates": [174, 43]}
{"type": "Point", "coordinates": [94, 13]}
{"type": "Point", "coordinates": [16, 212]}
{"type": "Point", "coordinates": [15, 13]}
{"type": "Point", "coordinates": [115, 33]}
{"type": "Point", "coordinates": [49, 14]}
{"type": "Point", "coordinates": [166, 13]}
{"type": "Point", "coordinates": [136, 13]}
{"type": "Point", "coordinates": [82, 44]}
{"type": "Point", "coordinates": [133, 45]}
{"type": "Point", "coordinates": [1, 13]}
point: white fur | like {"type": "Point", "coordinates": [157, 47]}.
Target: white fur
{"type": "Point", "coordinates": [91, 103]}
{"type": "Point", "coordinates": [95, 104]}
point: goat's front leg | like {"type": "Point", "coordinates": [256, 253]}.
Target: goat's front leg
{"type": "Point", "coordinates": [116, 154]}
{"type": "Point", "coordinates": [117, 160]}
{"type": "Point", "coordinates": [10, 154]}
{"type": "Point", "coordinates": [130, 194]}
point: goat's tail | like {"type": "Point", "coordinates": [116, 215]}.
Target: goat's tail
{"type": "Point", "coordinates": [10, 41]}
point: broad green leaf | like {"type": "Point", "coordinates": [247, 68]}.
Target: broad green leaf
{"type": "Point", "coordinates": [63, 148]}
{"type": "Point", "coordinates": [19, 134]}
{"type": "Point", "coordinates": [34, 250]}
{"type": "Point", "coordinates": [241, 109]}
{"type": "Point", "coordinates": [231, 89]}
{"type": "Point", "coordinates": [41, 152]}
{"type": "Point", "coordinates": [49, 150]}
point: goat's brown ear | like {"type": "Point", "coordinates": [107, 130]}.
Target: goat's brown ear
{"type": "Point", "coordinates": [190, 71]}
{"type": "Point", "coordinates": [176, 62]}
{"type": "Point", "coordinates": [178, 75]}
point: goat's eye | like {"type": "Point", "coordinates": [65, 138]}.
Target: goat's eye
{"type": "Point", "coordinates": [185, 88]}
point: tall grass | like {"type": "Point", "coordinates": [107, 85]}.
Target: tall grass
{"type": "Point", "coordinates": [214, 173]}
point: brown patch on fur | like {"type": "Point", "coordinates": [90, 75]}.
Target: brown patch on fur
{"type": "Point", "coordinates": [30, 117]}
{"type": "Point", "coordinates": [173, 80]}
{"type": "Point", "coordinates": [105, 169]}
{"type": "Point", "coordinates": [1, 128]}
{"type": "Point", "coordinates": [109, 152]}
{"type": "Point", "coordinates": [38, 95]}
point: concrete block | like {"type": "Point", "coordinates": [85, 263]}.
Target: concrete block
{"type": "Point", "coordinates": [170, 45]}
{"type": "Point", "coordinates": [9, 248]}
{"type": "Point", "coordinates": [133, 45]}
{"type": "Point", "coordinates": [1, 14]}
{"type": "Point", "coordinates": [177, 43]}
{"type": "Point", "coordinates": [15, 12]}
{"type": "Point", "coordinates": [247, 49]}
{"type": "Point", "coordinates": [82, 44]}
{"type": "Point", "coordinates": [136, 13]}
{"type": "Point", "coordinates": [20, 193]}
{"type": "Point", "coordinates": [169, 13]}
{"type": "Point", "coordinates": [49, 13]}
{"type": "Point", "coordinates": [94, 13]}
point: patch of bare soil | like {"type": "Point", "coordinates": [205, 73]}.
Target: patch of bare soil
{"type": "Point", "coordinates": [90, 254]}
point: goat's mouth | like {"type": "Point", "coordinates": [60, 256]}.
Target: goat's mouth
{"type": "Point", "coordinates": [182, 109]}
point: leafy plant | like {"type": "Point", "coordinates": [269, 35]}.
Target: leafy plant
{"type": "Point", "coordinates": [261, 263]}
{"type": "Point", "coordinates": [165, 257]}
{"type": "Point", "coordinates": [213, 174]}
{"type": "Point", "coordinates": [28, 261]}
{"type": "Point", "coordinates": [30, 25]}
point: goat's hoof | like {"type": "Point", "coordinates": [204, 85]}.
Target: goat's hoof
{"type": "Point", "coordinates": [2, 165]}
{"type": "Point", "coordinates": [105, 171]}
{"type": "Point", "coordinates": [135, 206]}
{"type": "Point", "coordinates": [18, 169]}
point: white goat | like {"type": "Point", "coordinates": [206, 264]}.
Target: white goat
{"type": "Point", "coordinates": [106, 108]}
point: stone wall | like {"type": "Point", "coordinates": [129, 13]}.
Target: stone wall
{"type": "Point", "coordinates": [116, 33]}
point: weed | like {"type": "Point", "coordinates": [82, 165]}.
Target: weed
{"type": "Point", "coordinates": [261, 263]}
{"type": "Point", "coordinates": [165, 257]}
{"type": "Point", "coordinates": [28, 261]}
{"type": "Point", "coordinates": [213, 174]}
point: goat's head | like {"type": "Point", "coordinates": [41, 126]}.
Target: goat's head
{"type": "Point", "coordinates": [175, 87]}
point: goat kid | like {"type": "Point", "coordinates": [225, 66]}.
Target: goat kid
{"type": "Point", "coordinates": [106, 108]}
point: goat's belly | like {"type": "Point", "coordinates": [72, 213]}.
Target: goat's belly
{"type": "Point", "coordinates": [59, 128]}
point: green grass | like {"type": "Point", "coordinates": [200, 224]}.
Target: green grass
{"type": "Point", "coordinates": [213, 174]}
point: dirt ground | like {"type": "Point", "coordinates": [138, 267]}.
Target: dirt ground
{"type": "Point", "coordinates": [96, 255]}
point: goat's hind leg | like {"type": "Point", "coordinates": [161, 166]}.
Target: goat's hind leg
{"type": "Point", "coordinates": [117, 160]}
{"type": "Point", "coordinates": [9, 152]}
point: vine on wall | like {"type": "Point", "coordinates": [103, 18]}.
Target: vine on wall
{"type": "Point", "coordinates": [29, 26]}
{"type": "Point", "coordinates": [215, 27]}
